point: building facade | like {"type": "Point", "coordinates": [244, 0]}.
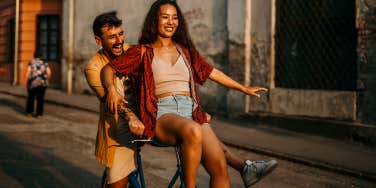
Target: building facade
{"type": "Point", "coordinates": [316, 57]}
{"type": "Point", "coordinates": [39, 28]}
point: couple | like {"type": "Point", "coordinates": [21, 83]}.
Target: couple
{"type": "Point", "coordinates": [160, 75]}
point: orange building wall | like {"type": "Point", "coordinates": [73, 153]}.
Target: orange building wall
{"type": "Point", "coordinates": [30, 9]}
{"type": "Point", "coordinates": [7, 8]}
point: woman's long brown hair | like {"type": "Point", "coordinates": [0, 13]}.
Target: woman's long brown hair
{"type": "Point", "coordinates": [149, 32]}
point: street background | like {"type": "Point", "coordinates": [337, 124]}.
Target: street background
{"type": "Point", "coordinates": [317, 58]}
{"type": "Point", "coordinates": [58, 149]}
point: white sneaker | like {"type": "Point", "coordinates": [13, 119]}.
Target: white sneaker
{"type": "Point", "coordinates": [255, 170]}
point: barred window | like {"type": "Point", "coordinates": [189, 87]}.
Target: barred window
{"type": "Point", "coordinates": [316, 44]}
{"type": "Point", "coordinates": [48, 34]}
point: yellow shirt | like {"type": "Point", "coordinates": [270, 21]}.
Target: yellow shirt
{"type": "Point", "coordinates": [106, 133]}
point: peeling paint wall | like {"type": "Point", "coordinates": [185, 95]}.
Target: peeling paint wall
{"type": "Point", "coordinates": [207, 26]}
{"type": "Point", "coordinates": [260, 51]}
{"type": "Point", "coordinates": [132, 12]}
{"type": "Point", "coordinates": [366, 25]}
{"type": "Point", "coordinates": [218, 31]}
{"type": "Point", "coordinates": [236, 44]}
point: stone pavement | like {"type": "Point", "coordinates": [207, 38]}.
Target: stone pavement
{"type": "Point", "coordinates": [335, 155]}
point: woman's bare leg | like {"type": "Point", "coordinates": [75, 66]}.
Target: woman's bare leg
{"type": "Point", "coordinates": [234, 161]}
{"type": "Point", "coordinates": [176, 130]}
{"type": "Point", "coordinates": [213, 159]}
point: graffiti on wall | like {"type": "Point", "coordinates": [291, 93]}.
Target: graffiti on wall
{"type": "Point", "coordinates": [194, 14]}
{"type": "Point", "coordinates": [366, 26]}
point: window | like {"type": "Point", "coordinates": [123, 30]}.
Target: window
{"type": "Point", "coordinates": [11, 40]}
{"type": "Point", "coordinates": [48, 35]}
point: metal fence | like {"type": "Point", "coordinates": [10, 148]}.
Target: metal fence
{"type": "Point", "coordinates": [316, 44]}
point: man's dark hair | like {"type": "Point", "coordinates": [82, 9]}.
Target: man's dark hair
{"type": "Point", "coordinates": [149, 32]}
{"type": "Point", "coordinates": [107, 19]}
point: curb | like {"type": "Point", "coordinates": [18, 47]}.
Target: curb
{"type": "Point", "coordinates": [340, 130]}
{"type": "Point", "coordinates": [306, 161]}
{"type": "Point", "coordinates": [53, 102]}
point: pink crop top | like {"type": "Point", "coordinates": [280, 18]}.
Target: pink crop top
{"type": "Point", "coordinates": [169, 78]}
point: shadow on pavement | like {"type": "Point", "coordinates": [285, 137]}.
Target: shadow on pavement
{"type": "Point", "coordinates": [14, 106]}
{"type": "Point", "coordinates": [38, 168]}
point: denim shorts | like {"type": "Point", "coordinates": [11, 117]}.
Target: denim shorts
{"type": "Point", "coordinates": [177, 104]}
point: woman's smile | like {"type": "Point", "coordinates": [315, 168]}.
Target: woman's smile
{"type": "Point", "coordinates": [168, 21]}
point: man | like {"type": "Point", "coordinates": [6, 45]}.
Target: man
{"type": "Point", "coordinates": [113, 148]}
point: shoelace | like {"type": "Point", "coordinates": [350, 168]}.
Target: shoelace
{"type": "Point", "coordinates": [253, 164]}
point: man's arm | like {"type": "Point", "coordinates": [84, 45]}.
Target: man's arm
{"type": "Point", "coordinates": [93, 78]}
{"type": "Point", "coordinates": [113, 97]}
{"type": "Point", "coordinates": [135, 125]}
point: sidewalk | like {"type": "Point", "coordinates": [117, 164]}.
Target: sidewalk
{"type": "Point", "coordinates": [315, 151]}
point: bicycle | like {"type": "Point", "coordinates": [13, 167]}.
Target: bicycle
{"type": "Point", "coordinates": [136, 178]}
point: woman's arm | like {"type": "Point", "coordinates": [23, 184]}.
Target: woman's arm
{"type": "Point", "coordinates": [48, 73]}
{"type": "Point", "coordinates": [221, 78]}
{"type": "Point", "coordinates": [28, 72]}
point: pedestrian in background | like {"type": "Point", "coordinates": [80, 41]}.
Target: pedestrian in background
{"type": "Point", "coordinates": [38, 73]}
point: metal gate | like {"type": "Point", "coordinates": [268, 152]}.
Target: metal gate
{"type": "Point", "coordinates": [316, 44]}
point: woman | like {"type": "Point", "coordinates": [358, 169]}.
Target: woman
{"type": "Point", "coordinates": [38, 72]}
{"type": "Point", "coordinates": [166, 67]}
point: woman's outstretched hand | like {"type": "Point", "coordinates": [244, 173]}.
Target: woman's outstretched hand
{"type": "Point", "coordinates": [254, 91]}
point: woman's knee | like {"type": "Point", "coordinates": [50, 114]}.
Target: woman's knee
{"type": "Point", "coordinates": [192, 133]}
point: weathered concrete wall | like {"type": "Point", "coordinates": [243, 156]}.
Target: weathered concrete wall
{"type": "Point", "coordinates": [207, 26]}
{"type": "Point", "coordinates": [366, 25]}
{"type": "Point", "coordinates": [218, 29]}
{"type": "Point", "coordinates": [236, 44]}
{"type": "Point", "coordinates": [132, 12]}
{"type": "Point", "coordinates": [314, 103]}
{"type": "Point", "coordinates": [260, 50]}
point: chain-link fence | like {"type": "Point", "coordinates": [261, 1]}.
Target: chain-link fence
{"type": "Point", "coordinates": [316, 44]}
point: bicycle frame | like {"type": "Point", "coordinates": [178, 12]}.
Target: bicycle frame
{"type": "Point", "coordinates": [136, 178]}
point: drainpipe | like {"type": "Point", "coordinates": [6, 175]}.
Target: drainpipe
{"type": "Point", "coordinates": [248, 47]}
{"type": "Point", "coordinates": [70, 46]}
{"type": "Point", "coordinates": [16, 37]}
{"type": "Point", "coordinates": [272, 46]}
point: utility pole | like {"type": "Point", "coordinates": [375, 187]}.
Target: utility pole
{"type": "Point", "coordinates": [248, 48]}
{"type": "Point", "coordinates": [70, 46]}
{"type": "Point", "coordinates": [16, 39]}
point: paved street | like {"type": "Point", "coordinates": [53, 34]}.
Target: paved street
{"type": "Point", "coordinates": [57, 151]}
